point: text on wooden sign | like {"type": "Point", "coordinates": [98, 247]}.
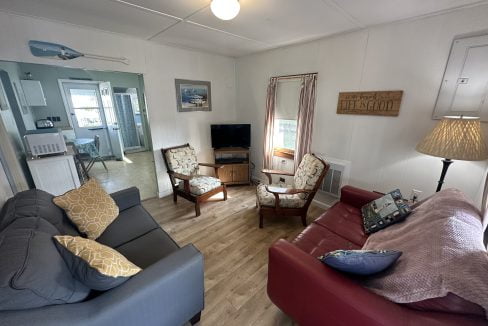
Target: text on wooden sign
{"type": "Point", "coordinates": [370, 103]}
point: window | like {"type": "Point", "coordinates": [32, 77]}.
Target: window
{"type": "Point", "coordinates": [285, 128]}
{"type": "Point", "coordinates": [285, 134]}
{"type": "Point", "coordinates": [86, 107]}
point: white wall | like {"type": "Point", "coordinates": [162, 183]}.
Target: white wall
{"type": "Point", "coordinates": [5, 190]}
{"type": "Point", "coordinates": [159, 64]}
{"type": "Point", "coordinates": [409, 56]}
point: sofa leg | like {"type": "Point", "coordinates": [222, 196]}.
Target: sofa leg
{"type": "Point", "coordinates": [304, 220]}
{"type": "Point", "coordinates": [195, 319]}
{"type": "Point", "coordinates": [197, 209]}
{"type": "Point", "coordinates": [261, 218]}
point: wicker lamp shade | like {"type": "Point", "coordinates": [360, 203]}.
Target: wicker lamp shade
{"type": "Point", "coordinates": [455, 138]}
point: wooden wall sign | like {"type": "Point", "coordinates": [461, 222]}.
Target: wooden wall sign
{"type": "Point", "coordinates": [370, 103]}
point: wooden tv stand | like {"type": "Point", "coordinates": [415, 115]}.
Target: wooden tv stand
{"type": "Point", "coordinates": [236, 165]}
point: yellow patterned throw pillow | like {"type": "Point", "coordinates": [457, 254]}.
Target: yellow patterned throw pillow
{"type": "Point", "coordinates": [89, 207]}
{"type": "Point", "coordinates": [97, 266]}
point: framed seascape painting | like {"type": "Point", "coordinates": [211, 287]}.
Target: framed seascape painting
{"type": "Point", "coordinates": [193, 95]}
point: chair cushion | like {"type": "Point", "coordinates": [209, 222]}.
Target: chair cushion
{"type": "Point", "coordinates": [266, 198]}
{"type": "Point", "coordinates": [97, 266]}
{"type": "Point", "coordinates": [182, 160]}
{"type": "Point", "coordinates": [201, 184]}
{"type": "Point", "coordinates": [149, 248]}
{"type": "Point", "coordinates": [32, 272]}
{"type": "Point", "coordinates": [89, 207]}
{"type": "Point", "coordinates": [130, 224]}
{"type": "Point", "coordinates": [308, 173]}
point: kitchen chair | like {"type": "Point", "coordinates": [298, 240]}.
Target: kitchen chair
{"type": "Point", "coordinates": [91, 152]}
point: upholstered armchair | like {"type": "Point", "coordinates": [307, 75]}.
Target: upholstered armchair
{"type": "Point", "coordinates": [294, 201]}
{"type": "Point", "coordinates": [183, 170]}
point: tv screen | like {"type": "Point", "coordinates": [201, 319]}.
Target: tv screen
{"type": "Point", "coordinates": [235, 135]}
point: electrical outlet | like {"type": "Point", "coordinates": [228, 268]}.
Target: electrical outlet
{"type": "Point", "coordinates": [414, 195]}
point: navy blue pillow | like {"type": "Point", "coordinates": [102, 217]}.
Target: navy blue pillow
{"type": "Point", "coordinates": [361, 262]}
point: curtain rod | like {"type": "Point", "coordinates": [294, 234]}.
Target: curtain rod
{"type": "Point", "coordinates": [294, 76]}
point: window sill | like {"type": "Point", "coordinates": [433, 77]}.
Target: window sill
{"type": "Point", "coordinates": [284, 152]}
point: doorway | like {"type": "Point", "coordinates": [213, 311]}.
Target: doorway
{"type": "Point", "coordinates": [90, 108]}
{"type": "Point", "coordinates": [131, 119]}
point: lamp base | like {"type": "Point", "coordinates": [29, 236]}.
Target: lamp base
{"type": "Point", "coordinates": [445, 165]}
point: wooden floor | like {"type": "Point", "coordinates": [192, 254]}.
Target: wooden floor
{"type": "Point", "coordinates": [235, 250]}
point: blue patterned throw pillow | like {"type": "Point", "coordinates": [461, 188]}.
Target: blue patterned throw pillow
{"type": "Point", "coordinates": [361, 262]}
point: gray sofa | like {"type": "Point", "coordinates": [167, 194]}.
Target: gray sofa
{"type": "Point", "coordinates": [169, 290]}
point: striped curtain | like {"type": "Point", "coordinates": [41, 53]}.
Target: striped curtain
{"type": "Point", "coordinates": [306, 108]}
{"type": "Point", "coordinates": [269, 123]}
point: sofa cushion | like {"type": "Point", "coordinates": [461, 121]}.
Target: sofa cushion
{"type": "Point", "coordinates": [360, 262]}
{"type": "Point", "coordinates": [148, 248]}
{"type": "Point", "coordinates": [97, 266]}
{"type": "Point", "coordinates": [32, 272]}
{"type": "Point", "coordinates": [130, 224]}
{"type": "Point", "coordinates": [89, 207]}
{"type": "Point", "coordinates": [36, 203]}
{"type": "Point", "coordinates": [318, 240]}
{"type": "Point", "coordinates": [385, 211]}
{"type": "Point", "coordinates": [344, 220]}
{"type": "Point", "coordinates": [450, 303]}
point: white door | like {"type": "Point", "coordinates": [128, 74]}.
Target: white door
{"type": "Point", "coordinates": [84, 105]}
{"type": "Point", "coordinates": [113, 128]}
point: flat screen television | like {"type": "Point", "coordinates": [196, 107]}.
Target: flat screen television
{"type": "Point", "coordinates": [231, 135]}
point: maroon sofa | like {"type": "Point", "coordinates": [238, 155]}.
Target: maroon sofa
{"type": "Point", "coordinates": [314, 294]}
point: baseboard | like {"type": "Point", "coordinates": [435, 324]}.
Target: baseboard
{"type": "Point", "coordinates": [165, 193]}
{"type": "Point", "coordinates": [321, 204]}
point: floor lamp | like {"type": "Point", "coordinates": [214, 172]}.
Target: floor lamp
{"type": "Point", "coordinates": [455, 138]}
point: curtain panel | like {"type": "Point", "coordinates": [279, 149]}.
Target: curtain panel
{"type": "Point", "coordinates": [269, 123]}
{"type": "Point", "coordinates": [306, 108]}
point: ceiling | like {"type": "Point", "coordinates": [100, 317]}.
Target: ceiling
{"type": "Point", "coordinates": [260, 25]}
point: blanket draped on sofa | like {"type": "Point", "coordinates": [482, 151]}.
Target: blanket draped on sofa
{"type": "Point", "coordinates": [443, 251]}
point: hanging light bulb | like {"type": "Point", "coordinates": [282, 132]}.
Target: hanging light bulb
{"type": "Point", "coordinates": [225, 9]}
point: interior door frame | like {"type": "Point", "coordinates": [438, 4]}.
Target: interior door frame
{"type": "Point", "coordinates": [71, 115]}
{"type": "Point", "coordinates": [65, 99]}
{"type": "Point", "coordinates": [131, 149]}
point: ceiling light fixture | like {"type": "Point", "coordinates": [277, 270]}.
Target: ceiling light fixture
{"type": "Point", "coordinates": [225, 9]}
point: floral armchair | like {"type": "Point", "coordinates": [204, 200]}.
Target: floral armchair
{"type": "Point", "coordinates": [186, 180]}
{"type": "Point", "coordinates": [279, 201]}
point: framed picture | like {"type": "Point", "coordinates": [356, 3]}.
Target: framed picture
{"type": "Point", "coordinates": [193, 95]}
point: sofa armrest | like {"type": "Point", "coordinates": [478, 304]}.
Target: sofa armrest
{"type": "Point", "coordinates": [357, 197]}
{"type": "Point", "coordinates": [169, 292]}
{"type": "Point", "coordinates": [300, 285]}
{"type": "Point", "coordinates": [313, 294]}
{"type": "Point", "coordinates": [127, 198]}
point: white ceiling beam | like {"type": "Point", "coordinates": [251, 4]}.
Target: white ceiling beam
{"type": "Point", "coordinates": [181, 19]}
{"type": "Point", "coordinates": [225, 32]}
{"type": "Point", "coordinates": [142, 8]}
